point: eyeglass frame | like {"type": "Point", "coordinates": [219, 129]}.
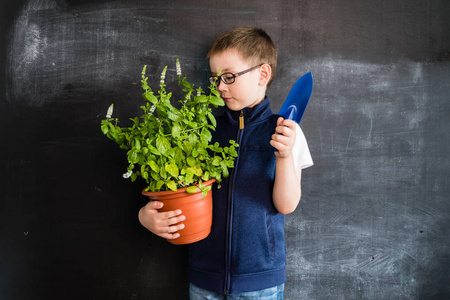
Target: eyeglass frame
{"type": "Point", "coordinates": [212, 79]}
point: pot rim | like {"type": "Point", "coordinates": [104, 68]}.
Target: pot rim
{"type": "Point", "coordinates": [162, 193]}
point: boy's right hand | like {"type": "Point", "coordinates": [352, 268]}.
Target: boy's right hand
{"type": "Point", "coordinates": [163, 224]}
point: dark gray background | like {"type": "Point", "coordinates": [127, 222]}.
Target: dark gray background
{"type": "Point", "coordinates": [374, 219]}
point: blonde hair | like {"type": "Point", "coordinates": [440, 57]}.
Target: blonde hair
{"type": "Point", "coordinates": [254, 44]}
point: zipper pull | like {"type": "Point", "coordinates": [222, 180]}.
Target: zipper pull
{"type": "Point", "coordinates": [241, 120]}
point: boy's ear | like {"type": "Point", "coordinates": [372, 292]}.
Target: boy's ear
{"type": "Point", "coordinates": [265, 72]}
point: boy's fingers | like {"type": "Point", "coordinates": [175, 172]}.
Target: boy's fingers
{"type": "Point", "coordinates": [281, 138]}
{"type": "Point", "coordinates": [174, 220]}
{"type": "Point", "coordinates": [288, 123]}
{"type": "Point", "coordinates": [278, 145]}
{"type": "Point", "coordinates": [170, 236]}
{"type": "Point", "coordinates": [155, 205]}
{"type": "Point", "coordinates": [171, 232]}
{"type": "Point", "coordinates": [170, 214]}
{"type": "Point", "coordinates": [280, 121]}
{"type": "Point", "coordinates": [286, 131]}
{"type": "Point", "coordinates": [175, 228]}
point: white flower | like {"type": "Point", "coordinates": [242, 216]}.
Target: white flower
{"type": "Point", "coordinates": [109, 112]}
{"type": "Point", "coordinates": [199, 92]}
{"type": "Point", "coordinates": [163, 76]}
{"type": "Point", "coordinates": [152, 109]}
{"type": "Point", "coordinates": [127, 174]}
{"type": "Point", "coordinates": [178, 68]}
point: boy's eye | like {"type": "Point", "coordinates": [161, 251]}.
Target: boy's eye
{"type": "Point", "coordinates": [228, 77]}
{"type": "Point", "coordinates": [214, 80]}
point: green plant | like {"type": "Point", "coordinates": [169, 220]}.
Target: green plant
{"type": "Point", "coordinates": [170, 147]}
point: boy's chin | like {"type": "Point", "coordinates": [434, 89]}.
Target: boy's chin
{"type": "Point", "coordinates": [238, 105]}
{"type": "Point", "coordinates": [235, 109]}
{"type": "Point", "coordinates": [235, 105]}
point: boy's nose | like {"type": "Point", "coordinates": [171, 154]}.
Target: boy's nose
{"type": "Point", "coordinates": [221, 86]}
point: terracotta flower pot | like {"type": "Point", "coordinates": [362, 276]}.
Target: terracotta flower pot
{"type": "Point", "coordinates": [196, 209]}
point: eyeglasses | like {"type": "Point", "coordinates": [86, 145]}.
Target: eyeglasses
{"type": "Point", "coordinates": [229, 78]}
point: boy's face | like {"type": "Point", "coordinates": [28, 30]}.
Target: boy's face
{"type": "Point", "coordinates": [248, 89]}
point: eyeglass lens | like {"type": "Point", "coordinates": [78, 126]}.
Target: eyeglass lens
{"type": "Point", "coordinates": [229, 78]}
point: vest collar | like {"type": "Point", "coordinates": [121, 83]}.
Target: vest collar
{"type": "Point", "coordinates": [254, 114]}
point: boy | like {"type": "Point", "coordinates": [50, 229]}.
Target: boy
{"type": "Point", "coordinates": [245, 254]}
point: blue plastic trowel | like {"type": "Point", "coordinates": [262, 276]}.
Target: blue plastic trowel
{"type": "Point", "coordinates": [295, 104]}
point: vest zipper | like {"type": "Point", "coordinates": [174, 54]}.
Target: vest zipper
{"type": "Point", "coordinates": [230, 208]}
{"type": "Point", "coordinates": [241, 120]}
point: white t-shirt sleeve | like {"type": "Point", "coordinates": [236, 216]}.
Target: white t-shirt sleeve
{"type": "Point", "coordinates": [302, 156]}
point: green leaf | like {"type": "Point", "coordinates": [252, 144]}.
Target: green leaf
{"type": "Point", "coordinates": [198, 171]}
{"type": "Point", "coordinates": [163, 173]}
{"type": "Point", "coordinates": [192, 189]}
{"type": "Point", "coordinates": [176, 130]}
{"type": "Point", "coordinates": [150, 97]}
{"type": "Point", "coordinates": [133, 177]}
{"type": "Point", "coordinates": [193, 138]}
{"type": "Point", "coordinates": [216, 161]}
{"type": "Point", "coordinates": [137, 144]}
{"type": "Point", "coordinates": [194, 171]}
{"type": "Point", "coordinates": [175, 116]}
{"type": "Point", "coordinates": [104, 126]}
{"type": "Point", "coordinates": [206, 136]}
{"type": "Point", "coordinates": [162, 112]}
{"type": "Point", "coordinates": [172, 186]}
{"type": "Point", "coordinates": [212, 119]}
{"type": "Point", "coordinates": [159, 184]}
{"type": "Point", "coordinates": [186, 84]}
{"type": "Point", "coordinates": [230, 163]}
{"type": "Point", "coordinates": [205, 176]}
{"type": "Point", "coordinates": [216, 147]}
{"type": "Point", "coordinates": [216, 101]}
{"type": "Point", "coordinates": [215, 93]}
{"type": "Point", "coordinates": [189, 179]}
{"type": "Point", "coordinates": [133, 157]}
{"type": "Point", "coordinates": [202, 151]}
{"type": "Point", "coordinates": [162, 144]}
{"type": "Point", "coordinates": [232, 151]}
{"type": "Point", "coordinates": [195, 153]}
{"type": "Point", "coordinates": [190, 171]}
{"type": "Point", "coordinates": [154, 150]}
{"type": "Point", "coordinates": [191, 161]}
{"type": "Point", "coordinates": [172, 169]}
{"type": "Point", "coordinates": [201, 99]}
{"type": "Point", "coordinates": [154, 166]}
{"type": "Point", "coordinates": [224, 169]}
{"type": "Point", "coordinates": [155, 176]}
{"type": "Point", "coordinates": [187, 147]}
{"type": "Point", "coordinates": [178, 155]}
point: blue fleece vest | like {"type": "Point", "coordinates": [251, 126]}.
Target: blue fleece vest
{"type": "Point", "coordinates": [245, 250]}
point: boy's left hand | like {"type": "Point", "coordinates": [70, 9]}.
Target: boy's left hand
{"type": "Point", "coordinates": [284, 137]}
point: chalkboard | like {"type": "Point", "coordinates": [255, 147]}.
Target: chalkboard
{"type": "Point", "coordinates": [374, 218]}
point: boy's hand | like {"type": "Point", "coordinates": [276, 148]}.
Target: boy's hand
{"type": "Point", "coordinates": [163, 224]}
{"type": "Point", "coordinates": [284, 137]}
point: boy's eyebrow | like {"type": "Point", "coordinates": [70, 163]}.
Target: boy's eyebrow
{"type": "Point", "coordinates": [221, 71]}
